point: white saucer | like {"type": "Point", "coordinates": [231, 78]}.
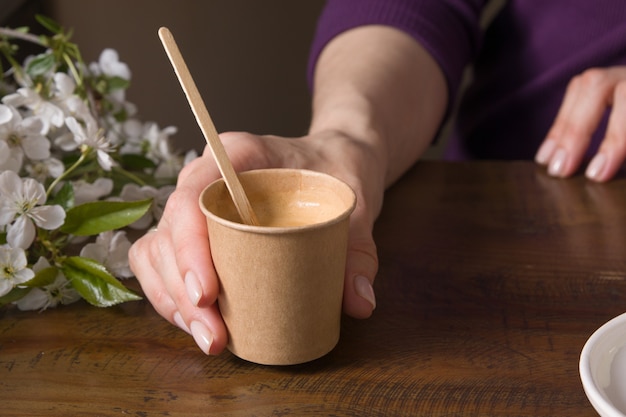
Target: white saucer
{"type": "Point", "coordinates": [603, 368]}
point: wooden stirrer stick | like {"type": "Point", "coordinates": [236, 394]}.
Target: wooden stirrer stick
{"type": "Point", "coordinates": [208, 129]}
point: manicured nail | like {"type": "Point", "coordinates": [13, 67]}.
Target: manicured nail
{"type": "Point", "coordinates": [545, 152]}
{"type": "Point", "coordinates": [202, 336]}
{"type": "Point", "coordinates": [194, 289]}
{"type": "Point", "coordinates": [178, 319]}
{"type": "Point", "coordinates": [596, 166]}
{"type": "Point", "coordinates": [557, 163]}
{"type": "Point", "coordinates": [364, 290]}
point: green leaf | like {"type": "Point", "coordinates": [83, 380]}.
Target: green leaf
{"type": "Point", "coordinates": [42, 278]}
{"type": "Point", "coordinates": [136, 161]}
{"type": "Point", "coordinates": [117, 83]}
{"type": "Point", "coordinates": [100, 85]}
{"type": "Point", "coordinates": [48, 23]}
{"type": "Point", "coordinates": [92, 218]}
{"type": "Point", "coordinates": [14, 295]}
{"type": "Point", "coordinates": [94, 283]}
{"type": "Point", "coordinates": [40, 65]}
{"type": "Point", "coordinates": [22, 29]}
{"type": "Point", "coordinates": [64, 197]}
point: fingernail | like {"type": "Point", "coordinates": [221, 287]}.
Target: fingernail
{"type": "Point", "coordinates": [596, 166]}
{"type": "Point", "coordinates": [178, 319]}
{"type": "Point", "coordinates": [202, 336]}
{"type": "Point", "coordinates": [545, 152]}
{"type": "Point", "coordinates": [194, 290]}
{"type": "Point", "coordinates": [364, 289]}
{"type": "Point", "coordinates": [557, 163]}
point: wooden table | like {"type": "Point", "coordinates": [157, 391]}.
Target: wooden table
{"type": "Point", "coordinates": [492, 277]}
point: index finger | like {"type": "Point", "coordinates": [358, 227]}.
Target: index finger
{"type": "Point", "coordinates": [186, 223]}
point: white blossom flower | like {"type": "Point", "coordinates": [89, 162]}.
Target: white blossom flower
{"type": "Point", "coordinates": [85, 191]}
{"type": "Point", "coordinates": [90, 135]}
{"type": "Point", "coordinates": [5, 152]}
{"type": "Point", "coordinates": [5, 114]}
{"type": "Point", "coordinates": [64, 140]}
{"type": "Point", "coordinates": [23, 135]}
{"type": "Point", "coordinates": [64, 87]}
{"type": "Point", "coordinates": [63, 96]}
{"type": "Point", "coordinates": [12, 159]}
{"type": "Point", "coordinates": [111, 250]}
{"type": "Point", "coordinates": [110, 65]}
{"type": "Point", "coordinates": [22, 206]}
{"type": "Point", "coordinates": [49, 113]}
{"type": "Point", "coordinates": [132, 192]}
{"type": "Point", "coordinates": [148, 139]}
{"type": "Point", "coordinates": [49, 122]}
{"type": "Point", "coordinates": [170, 168]}
{"type": "Point", "coordinates": [13, 268]}
{"type": "Point", "coordinates": [44, 169]}
{"type": "Point", "coordinates": [41, 298]}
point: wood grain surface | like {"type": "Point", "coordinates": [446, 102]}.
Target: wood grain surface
{"type": "Point", "coordinates": [492, 277]}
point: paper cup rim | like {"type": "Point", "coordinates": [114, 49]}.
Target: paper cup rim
{"type": "Point", "coordinates": [280, 229]}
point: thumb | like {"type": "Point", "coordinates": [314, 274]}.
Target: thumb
{"type": "Point", "coordinates": [359, 300]}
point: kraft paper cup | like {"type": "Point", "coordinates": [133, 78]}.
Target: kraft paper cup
{"type": "Point", "coordinates": [281, 283]}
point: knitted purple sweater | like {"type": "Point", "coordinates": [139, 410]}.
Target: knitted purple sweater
{"type": "Point", "coordinates": [522, 62]}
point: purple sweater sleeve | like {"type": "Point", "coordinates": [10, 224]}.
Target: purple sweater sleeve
{"type": "Point", "coordinates": [448, 29]}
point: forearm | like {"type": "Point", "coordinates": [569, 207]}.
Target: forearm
{"type": "Point", "coordinates": [381, 88]}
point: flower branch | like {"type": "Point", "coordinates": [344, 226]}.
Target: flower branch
{"type": "Point", "coordinates": [20, 34]}
{"type": "Point", "coordinates": [77, 170]}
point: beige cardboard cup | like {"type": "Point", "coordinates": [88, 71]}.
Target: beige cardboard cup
{"type": "Point", "coordinates": [281, 283]}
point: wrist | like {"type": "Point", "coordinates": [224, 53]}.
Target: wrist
{"type": "Point", "coordinates": [352, 159]}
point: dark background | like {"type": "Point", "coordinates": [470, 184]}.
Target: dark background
{"type": "Point", "coordinates": [248, 58]}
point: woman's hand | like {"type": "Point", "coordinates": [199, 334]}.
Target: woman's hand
{"type": "Point", "coordinates": [378, 101]}
{"type": "Point", "coordinates": [587, 98]}
{"type": "Point", "coordinates": [173, 264]}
